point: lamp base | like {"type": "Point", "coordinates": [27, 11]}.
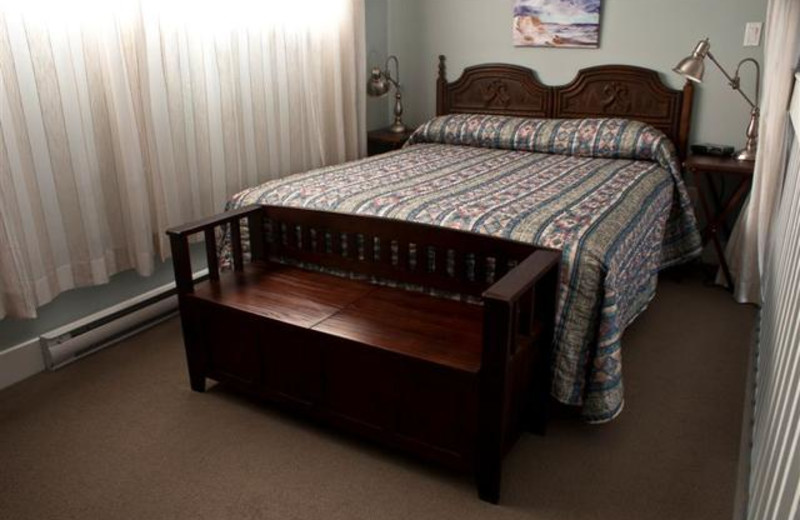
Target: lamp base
{"type": "Point", "coordinates": [398, 128]}
{"type": "Point", "coordinates": [750, 146]}
{"type": "Point", "coordinates": [747, 154]}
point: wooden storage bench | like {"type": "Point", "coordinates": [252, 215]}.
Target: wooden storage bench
{"type": "Point", "coordinates": [448, 380]}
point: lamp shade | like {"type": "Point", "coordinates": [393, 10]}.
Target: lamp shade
{"type": "Point", "coordinates": [377, 85]}
{"type": "Point", "coordinates": [693, 67]}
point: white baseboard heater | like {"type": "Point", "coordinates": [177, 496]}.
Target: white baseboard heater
{"type": "Point", "coordinates": [102, 329]}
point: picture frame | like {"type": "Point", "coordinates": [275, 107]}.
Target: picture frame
{"type": "Point", "coordinates": [557, 23]}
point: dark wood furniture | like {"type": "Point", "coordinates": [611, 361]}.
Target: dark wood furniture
{"type": "Point", "coordinates": [384, 140]}
{"type": "Point", "coordinates": [603, 91]}
{"type": "Point", "coordinates": [450, 381]}
{"type": "Point", "coordinates": [704, 167]}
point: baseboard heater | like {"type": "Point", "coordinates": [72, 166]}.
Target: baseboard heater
{"type": "Point", "coordinates": [105, 328]}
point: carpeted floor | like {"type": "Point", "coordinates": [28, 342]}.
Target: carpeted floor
{"type": "Point", "coordinates": [119, 435]}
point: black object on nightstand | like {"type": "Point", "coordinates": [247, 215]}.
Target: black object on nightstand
{"type": "Point", "coordinates": [384, 140]}
{"type": "Point", "coordinates": [708, 167]}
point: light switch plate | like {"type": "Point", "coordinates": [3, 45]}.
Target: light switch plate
{"type": "Point", "coordinates": [752, 34]}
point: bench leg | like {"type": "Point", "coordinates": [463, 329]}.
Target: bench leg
{"type": "Point", "coordinates": [488, 479]}
{"type": "Point", "coordinates": [197, 374]}
{"type": "Point", "coordinates": [194, 354]}
{"type": "Point", "coordinates": [197, 381]}
{"type": "Point", "coordinates": [490, 462]}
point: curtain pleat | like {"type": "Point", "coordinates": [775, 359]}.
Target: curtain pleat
{"type": "Point", "coordinates": [120, 121]}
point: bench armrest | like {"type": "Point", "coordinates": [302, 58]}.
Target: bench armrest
{"type": "Point", "coordinates": [214, 221]}
{"type": "Point", "coordinates": [179, 243]}
{"type": "Point", "coordinates": [511, 287]}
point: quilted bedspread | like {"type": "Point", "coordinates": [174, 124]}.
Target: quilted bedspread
{"type": "Point", "coordinates": [607, 192]}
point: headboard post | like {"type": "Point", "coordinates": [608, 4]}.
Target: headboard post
{"type": "Point", "coordinates": [686, 120]}
{"type": "Point", "coordinates": [441, 87]}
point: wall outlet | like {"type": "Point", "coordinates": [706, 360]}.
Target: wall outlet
{"type": "Point", "coordinates": [752, 34]}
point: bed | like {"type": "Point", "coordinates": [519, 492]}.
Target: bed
{"type": "Point", "coordinates": [590, 168]}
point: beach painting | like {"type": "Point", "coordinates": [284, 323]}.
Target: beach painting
{"type": "Point", "coordinates": [557, 23]}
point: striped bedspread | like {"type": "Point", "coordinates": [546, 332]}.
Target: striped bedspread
{"type": "Point", "coordinates": [607, 192]}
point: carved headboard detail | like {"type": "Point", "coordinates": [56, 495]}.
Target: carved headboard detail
{"type": "Point", "coordinates": [603, 91]}
{"type": "Point", "coordinates": [493, 89]}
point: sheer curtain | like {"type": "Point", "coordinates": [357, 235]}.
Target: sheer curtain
{"type": "Point", "coordinates": [120, 118]}
{"type": "Point", "coordinates": [748, 245]}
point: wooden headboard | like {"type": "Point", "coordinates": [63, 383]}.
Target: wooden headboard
{"type": "Point", "coordinates": [603, 91]}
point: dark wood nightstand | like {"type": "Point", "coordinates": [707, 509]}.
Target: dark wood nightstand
{"type": "Point", "coordinates": [384, 140]}
{"type": "Point", "coordinates": [702, 166]}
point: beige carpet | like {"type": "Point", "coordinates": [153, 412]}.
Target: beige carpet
{"type": "Point", "coordinates": [120, 435]}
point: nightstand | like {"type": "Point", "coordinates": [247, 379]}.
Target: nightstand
{"type": "Point", "coordinates": [708, 167]}
{"type": "Point", "coordinates": [384, 140]}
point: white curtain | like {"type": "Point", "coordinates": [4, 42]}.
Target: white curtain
{"type": "Point", "coordinates": [748, 245]}
{"type": "Point", "coordinates": [775, 459]}
{"type": "Point", "coordinates": [120, 118]}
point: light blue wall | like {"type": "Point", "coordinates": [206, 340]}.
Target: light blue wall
{"type": "Point", "coordinates": [651, 33]}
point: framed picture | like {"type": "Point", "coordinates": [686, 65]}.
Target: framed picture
{"type": "Point", "coordinates": [557, 23]}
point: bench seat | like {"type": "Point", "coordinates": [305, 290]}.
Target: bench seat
{"type": "Point", "coordinates": [433, 329]}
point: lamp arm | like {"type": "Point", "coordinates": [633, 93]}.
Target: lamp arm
{"type": "Point", "coordinates": [734, 81]}
{"type": "Point", "coordinates": [396, 79]}
{"type": "Point", "coordinates": [758, 76]}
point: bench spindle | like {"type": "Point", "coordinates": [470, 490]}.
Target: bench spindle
{"type": "Point", "coordinates": [255, 227]}
{"type": "Point", "coordinates": [236, 243]}
{"type": "Point", "coordinates": [428, 259]}
{"type": "Point", "coordinates": [369, 248]}
{"type": "Point", "coordinates": [384, 250]}
{"type": "Point", "coordinates": [211, 253]}
{"type": "Point", "coordinates": [440, 261]}
{"type": "Point", "coordinates": [460, 266]}
{"type": "Point", "coordinates": [480, 268]}
{"type": "Point", "coordinates": [305, 238]}
{"type": "Point", "coordinates": [336, 246]}
{"type": "Point", "coordinates": [402, 255]}
{"type": "Point", "coordinates": [352, 245]}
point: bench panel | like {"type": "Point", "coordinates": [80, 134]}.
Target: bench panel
{"type": "Point", "coordinates": [292, 363]}
{"type": "Point", "coordinates": [357, 384]}
{"type": "Point", "coordinates": [436, 409]}
{"type": "Point", "coordinates": [425, 408]}
{"type": "Point", "coordinates": [229, 343]}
